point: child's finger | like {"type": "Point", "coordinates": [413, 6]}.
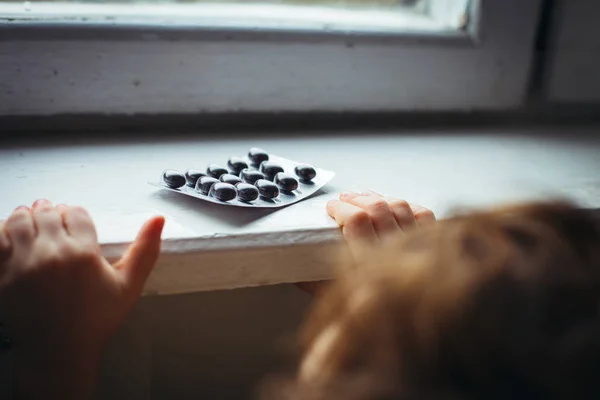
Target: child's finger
{"type": "Point", "coordinates": [402, 213]}
{"type": "Point", "coordinates": [141, 256]}
{"type": "Point", "coordinates": [20, 229]}
{"type": "Point", "coordinates": [379, 210]}
{"type": "Point", "coordinates": [355, 222]}
{"type": "Point", "coordinates": [47, 219]}
{"type": "Point", "coordinates": [5, 245]}
{"type": "Point", "coordinates": [79, 225]}
{"type": "Point", "coordinates": [40, 202]}
{"type": "Point", "coordinates": [424, 216]}
{"type": "Point", "coordinates": [356, 227]}
{"type": "Point", "coordinates": [401, 210]}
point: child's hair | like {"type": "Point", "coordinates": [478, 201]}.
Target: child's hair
{"type": "Point", "coordinates": [496, 305]}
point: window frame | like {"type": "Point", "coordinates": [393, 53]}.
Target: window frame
{"type": "Point", "coordinates": [61, 67]}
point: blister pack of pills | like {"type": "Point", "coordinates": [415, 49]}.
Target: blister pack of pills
{"type": "Point", "coordinates": [258, 180]}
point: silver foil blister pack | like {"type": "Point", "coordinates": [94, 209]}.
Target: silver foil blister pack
{"type": "Point", "coordinates": [258, 180]}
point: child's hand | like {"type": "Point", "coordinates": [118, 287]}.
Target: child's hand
{"type": "Point", "coordinates": [369, 220]}
{"type": "Point", "coordinates": [59, 298]}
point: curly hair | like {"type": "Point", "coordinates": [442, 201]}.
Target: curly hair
{"type": "Point", "coordinates": [497, 305]}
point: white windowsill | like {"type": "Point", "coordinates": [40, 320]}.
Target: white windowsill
{"type": "Point", "coordinates": [209, 247]}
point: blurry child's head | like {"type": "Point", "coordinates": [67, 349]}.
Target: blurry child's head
{"type": "Point", "coordinates": [496, 305]}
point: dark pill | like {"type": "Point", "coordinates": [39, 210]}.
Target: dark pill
{"type": "Point", "coordinates": [192, 176]}
{"type": "Point", "coordinates": [286, 182]}
{"type": "Point", "coordinates": [236, 165]}
{"type": "Point", "coordinates": [305, 172]}
{"type": "Point", "coordinates": [215, 170]}
{"type": "Point", "coordinates": [270, 169]}
{"type": "Point", "coordinates": [229, 178]}
{"type": "Point", "coordinates": [205, 183]}
{"type": "Point", "coordinates": [223, 191]}
{"type": "Point", "coordinates": [257, 155]}
{"type": "Point", "coordinates": [251, 176]}
{"type": "Point", "coordinates": [247, 192]}
{"type": "Point", "coordinates": [173, 179]}
{"type": "Point", "coordinates": [267, 189]}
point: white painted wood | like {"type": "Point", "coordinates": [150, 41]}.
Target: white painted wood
{"type": "Point", "coordinates": [233, 16]}
{"type": "Point", "coordinates": [210, 247]}
{"type": "Point", "coordinates": [63, 67]}
{"type": "Point", "coordinates": [452, 13]}
{"type": "Point", "coordinates": [574, 54]}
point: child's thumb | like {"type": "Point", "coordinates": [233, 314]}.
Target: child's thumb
{"type": "Point", "coordinates": [138, 261]}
